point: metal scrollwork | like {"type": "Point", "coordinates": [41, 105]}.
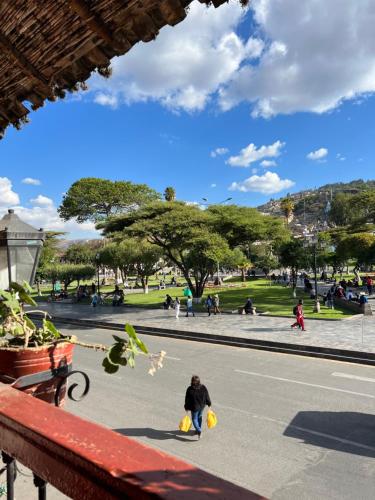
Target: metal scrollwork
{"type": "Point", "coordinates": [72, 387]}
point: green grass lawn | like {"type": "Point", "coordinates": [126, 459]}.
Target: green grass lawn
{"type": "Point", "coordinates": [274, 299]}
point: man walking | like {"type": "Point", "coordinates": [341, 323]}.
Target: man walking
{"type": "Point", "coordinates": [189, 307]}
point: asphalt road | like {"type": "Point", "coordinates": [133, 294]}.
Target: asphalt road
{"type": "Point", "coordinates": [288, 428]}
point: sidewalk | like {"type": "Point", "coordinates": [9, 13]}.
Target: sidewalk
{"type": "Point", "coordinates": [356, 333]}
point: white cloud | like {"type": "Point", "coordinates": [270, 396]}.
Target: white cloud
{"type": "Point", "coordinates": [8, 197]}
{"type": "Point", "coordinates": [46, 217]}
{"type": "Point", "coordinates": [219, 152]}
{"type": "Point", "coordinates": [254, 170]}
{"type": "Point", "coordinates": [267, 183]}
{"type": "Point", "coordinates": [31, 181]}
{"type": "Point", "coordinates": [317, 55]}
{"type": "Point", "coordinates": [340, 157]}
{"type": "Point", "coordinates": [213, 185]}
{"type": "Point", "coordinates": [106, 100]}
{"type": "Point", "coordinates": [41, 201]}
{"type": "Point", "coordinates": [268, 163]}
{"type": "Point", "coordinates": [251, 154]}
{"type": "Point", "coordinates": [186, 64]}
{"type": "Point", "coordinates": [42, 214]}
{"type": "Point", "coordinates": [319, 154]}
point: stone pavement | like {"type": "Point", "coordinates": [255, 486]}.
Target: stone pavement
{"type": "Point", "coordinates": [356, 333]}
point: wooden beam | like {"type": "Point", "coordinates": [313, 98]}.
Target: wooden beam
{"type": "Point", "coordinates": [21, 61]}
{"type": "Point", "coordinates": [93, 21]}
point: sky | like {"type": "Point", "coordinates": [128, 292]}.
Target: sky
{"type": "Point", "coordinates": [248, 104]}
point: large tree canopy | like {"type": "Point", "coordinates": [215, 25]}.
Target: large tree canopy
{"type": "Point", "coordinates": [242, 226]}
{"type": "Point", "coordinates": [93, 199]}
{"type": "Point", "coordinates": [194, 240]}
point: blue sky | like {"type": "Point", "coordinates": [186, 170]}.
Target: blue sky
{"type": "Point", "coordinates": [225, 104]}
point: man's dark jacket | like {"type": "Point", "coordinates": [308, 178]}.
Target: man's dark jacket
{"type": "Point", "coordinates": [197, 398]}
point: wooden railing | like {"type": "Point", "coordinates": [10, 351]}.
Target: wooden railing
{"type": "Point", "coordinates": [87, 461]}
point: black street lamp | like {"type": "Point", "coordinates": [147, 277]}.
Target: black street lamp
{"type": "Point", "coordinates": [20, 248]}
{"type": "Point", "coordinates": [98, 269]}
{"type": "Point", "coordinates": [312, 240]}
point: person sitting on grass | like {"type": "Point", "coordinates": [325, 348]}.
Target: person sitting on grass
{"type": "Point", "coordinates": [248, 308]}
{"type": "Point", "coordinates": [168, 302]}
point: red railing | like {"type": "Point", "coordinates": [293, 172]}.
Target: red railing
{"type": "Point", "coordinates": [85, 460]}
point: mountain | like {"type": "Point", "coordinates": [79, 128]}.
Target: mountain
{"type": "Point", "coordinates": [311, 207]}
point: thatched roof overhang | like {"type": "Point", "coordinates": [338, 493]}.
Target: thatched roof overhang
{"type": "Point", "coordinates": [48, 47]}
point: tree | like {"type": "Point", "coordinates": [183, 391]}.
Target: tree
{"type": "Point", "coordinates": [119, 255]}
{"type": "Point", "coordinates": [263, 257]}
{"type": "Point", "coordinates": [359, 246]}
{"type": "Point", "coordinates": [293, 254]}
{"type": "Point", "coordinates": [242, 226]}
{"type": "Point", "coordinates": [147, 261]}
{"type": "Point", "coordinates": [80, 253]}
{"type": "Point", "coordinates": [92, 199]}
{"type": "Point", "coordinates": [170, 194]}
{"type": "Point", "coordinates": [287, 207]}
{"type": "Point", "coordinates": [241, 262]}
{"type": "Point", "coordinates": [49, 254]}
{"type": "Point", "coordinates": [67, 273]}
{"type": "Point", "coordinates": [183, 232]}
{"type": "Point", "coordinates": [342, 210]}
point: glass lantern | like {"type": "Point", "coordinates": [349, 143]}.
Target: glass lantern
{"type": "Point", "coordinates": [20, 247]}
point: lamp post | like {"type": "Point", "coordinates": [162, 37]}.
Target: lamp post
{"type": "Point", "coordinates": [97, 266]}
{"type": "Point", "coordinates": [313, 240]}
{"type": "Point", "coordinates": [20, 248]}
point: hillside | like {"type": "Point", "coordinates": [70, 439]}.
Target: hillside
{"type": "Point", "coordinates": [312, 206]}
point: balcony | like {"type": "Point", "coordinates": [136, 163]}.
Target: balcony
{"type": "Point", "coordinates": [87, 461]}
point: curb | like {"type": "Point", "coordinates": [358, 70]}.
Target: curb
{"type": "Point", "coordinates": [345, 355]}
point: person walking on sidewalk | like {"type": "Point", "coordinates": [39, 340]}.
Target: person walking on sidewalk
{"type": "Point", "coordinates": [209, 304]}
{"type": "Point", "coordinates": [216, 303]}
{"type": "Point", "coordinates": [189, 307]}
{"type": "Point", "coordinates": [177, 305]}
{"type": "Point", "coordinates": [196, 399]}
{"type": "Point", "coordinates": [298, 311]}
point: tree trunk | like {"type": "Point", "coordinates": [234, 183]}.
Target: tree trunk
{"type": "Point", "coordinates": [144, 281]}
{"type": "Point", "coordinates": [243, 275]}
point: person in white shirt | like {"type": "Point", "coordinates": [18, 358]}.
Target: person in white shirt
{"type": "Point", "coordinates": [177, 305]}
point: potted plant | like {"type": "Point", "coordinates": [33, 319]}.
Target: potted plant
{"type": "Point", "coordinates": [41, 354]}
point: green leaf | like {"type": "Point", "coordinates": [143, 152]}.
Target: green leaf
{"type": "Point", "coordinates": [109, 367]}
{"type": "Point", "coordinates": [118, 339]}
{"type": "Point", "coordinates": [30, 323]}
{"type": "Point", "coordinates": [23, 294]}
{"type": "Point", "coordinates": [142, 346]}
{"type": "Point", "coordinates": [130, 331]}
{"type": "Point", "coordinates": [133, 336]}
{"type": "Point", "coordinates": [114, 355]}
{"type": "Point", "coordinates": [27, 286]}
{"type": "Point", "coordinates": [50, 327]}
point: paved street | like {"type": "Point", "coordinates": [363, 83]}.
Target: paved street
{"type": "Point", "coordinates": [289, 427]}
{"type": "Point", "coordinates": [356, 333]}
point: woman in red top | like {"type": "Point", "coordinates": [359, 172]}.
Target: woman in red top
{"type": "Point", "coordinates": [300, 322]}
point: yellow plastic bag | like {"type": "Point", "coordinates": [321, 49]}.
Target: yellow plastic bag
{"type": "Point", "coordinates": [185, 424]}
{"type": "Point", "coordinates": [211, 419]}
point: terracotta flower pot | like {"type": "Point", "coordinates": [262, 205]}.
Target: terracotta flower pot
{"type": "Point", "coordinates": [18, 362]}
